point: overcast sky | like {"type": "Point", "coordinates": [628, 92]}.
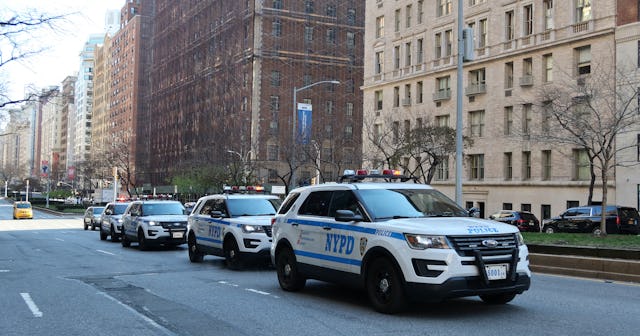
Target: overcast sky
{"type": "Point", "coordinates": [62, 57]}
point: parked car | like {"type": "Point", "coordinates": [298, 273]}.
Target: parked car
{"type": "Point", "coordinates": [92, 217]}
{"type": "Point", "coordinates": [154, 223]}
{"type": "Point", "coordinates": [619, 219]}
{"type": "Point", "coordinates": [111, 220]}
{"type": "Point", "coordinates": [22, 209]}
{"type": "Point", "coordinates": [524, 220]}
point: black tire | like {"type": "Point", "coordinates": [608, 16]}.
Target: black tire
{"type": "Point", "coordinates": [548, 229]}
{"type": "Point", "coordinates": [596, 231]}
{"type": "Point", "coordinates": [103, 235]}
{"type": "Point", "coordinates": [287, 269]}
{"type": "Point", "coordinates": [195, 256]}
{"type": "Point", "coordinates": [93, 226]}
{"type": "Point", "coordinates": [143, 245]}
{"type": "Point", "coordinates": [86, 227]}
{"type": "Point", "coordinates": [113, 234]}
{"type": "Point", "coordinates": [232, 253]}
{"type": "Point", "coordinates": [125, 240]}
{"type": "Point", "coordinates": [497, 299]}
{"type": "Point", "coordinates": [384, 286]}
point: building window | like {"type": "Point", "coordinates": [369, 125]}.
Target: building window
{"type": "Point", "coordinates": [527, 67]}
{"type": "Point", "coordinates": [351, 16]}
{"type": "Point", "coordinates": [331, 10]}
{"type": "Point", "coordinates": [328, 107]}
{"type": "Point", "coordinates": [308, 6]}
{"type": "Point", "coordinates": [526, 165]}
{"type": "Point", "coordinates": [396, 26]}
{"type": "Point", "coordinates": [546, 165]}
{"type": "Point", "coordinates": [408, 15]}
{"type": "Point", "coordinates": [419, 51]}
{"type": "Point", "coordinates": [508, 120]}
{"type": "Point", "coordinates": [527, 20]}
{"type": "Point", "coordinates": [379, 62]}
{"type": "Point", "coordinates": [526, 119]}
{"type": "Point", "coordinates": [396, 57]}
{"type": "Point", "coordinates": [396, 96]}
{"type": "Point", "coordinates": [331, 36]}
{"type": "Point", "coordinates": [476, 167]}
{"type": "Point", "coordinates": [308, 34]}
{"type": "Point", "coordinates": [508, 26]}
{"type": "Point", "coordinates": [378, 100]}
{"type": "Point", "coordinates": [482, 33]}
{"type": "Point", "coordinates": [407, 95]}
{"type": "Point", "coordinates": [348, 132]}
{"type": "Point", "coordinates": [548, 14]}
{"type": "Point", "coordinates": [638, 148]}
{"type": "Point", "coordinates": [583, 10]}
{"type": "Point", "coordinates": [351, 40]}
{"type": "Point", "coordinates": [275, 78]}
{"type": "Point", "coordinates": [275, 103]}
{"type": "Point", "coordinates": [443, 87]}
{"type": "Point", "coordinates": [583, 60]}
{"type": "Point", "coordinates": [442, 169]}
{"type": "Point", "coordinates": [477, 123]}
{"type": "Point", "coordinates": [420, 11]}
{"type": "Point", "coordinates": [508, 75]}
{"type": "Point", "coordinates": [448, 43]}
{"type": "Point", "coordinates": [545, 123]}
{"type": "Point", "coordinates": [444, 7]}
{"type": "Point", "coordinates": [419, 92]}
{"type": "Point", "coordinates": [349, 110]}
{"type": "Point", "coordinates": [507, 206]}
{"type": "Point", "coordinates": [407, 54]}
{"type": "Point", "coordinates": [442, 121]}
{"type": "Point", "coordinates": [581, 167]}
{"type": "Point", "coordinates": [380, 26]}
{"type": "Point", "coordinates": [508, 166]}
{"type": "Point", "coordinates": [395, 131]}
{"type": "Point", "coordinates": [547, 61]}
{"type": "Point", "coordinates": [276, 27]}
{"type": "Point", "coordinates": [437, 45]}
{"type": "Point", "coordinates": [272, 152]}
{"type": "Point", "coordinates": [277, 4]}
{"type": "Point", "coordinates": [525, 207]}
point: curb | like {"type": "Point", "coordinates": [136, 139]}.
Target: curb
{"type": "Point", "coordinates": [594, 263]}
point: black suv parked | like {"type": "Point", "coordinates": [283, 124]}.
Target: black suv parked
{"type": "Point", "coordinates": [620, 219]}
{"type": "Point", "coordinates": [524, 220]}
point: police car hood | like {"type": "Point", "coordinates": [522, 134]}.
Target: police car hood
{"type": "Point", "coordinates": [166, 218]}
{"type": "Point", "coordinates": [253, 220]}
{"type": "Point", "coordinates": [450, 226]}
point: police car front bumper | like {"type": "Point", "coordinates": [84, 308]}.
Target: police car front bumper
{"type": "Point", "coordinates": [466, 286]}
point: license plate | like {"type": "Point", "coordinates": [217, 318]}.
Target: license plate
{"type": "Point", "coordinates": [177, 234]}
{"type": "Point", "coordinates": [496, 272]}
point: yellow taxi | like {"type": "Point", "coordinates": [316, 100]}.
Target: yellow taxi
{"type": "Point", "coordinates": [22, 209]}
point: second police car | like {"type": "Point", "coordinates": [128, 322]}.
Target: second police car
{"type": "Point", "coordinates": [401, 241]}
{"type": "Point", "coordinates": [233, 225]}
{"type": "Point", "coordinates": [153, 223]}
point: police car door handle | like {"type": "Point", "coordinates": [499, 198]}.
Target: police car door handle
{"type": "Point", "coordinates": [327, 228]}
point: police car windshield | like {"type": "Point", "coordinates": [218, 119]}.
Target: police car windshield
{"type": "Point", "coordinates": [169, 208]}
{"type": "Point", "coordinates": [253, 206]}
{"type": "Point", "coordinates": [407, 203]}
{"type": "Point", "coordinates": [119, 209]}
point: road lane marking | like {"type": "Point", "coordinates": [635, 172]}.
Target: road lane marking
{"type": "Point", "coordinates": [60, 239]}
{"type": "Point", "coordinates": [32, 305]}
{"type": "Point", "coordinates": [5, 271]}
{"type": "Point", "coordinates": [105, 252]}
{"type": "Point", "coordinates": [257, 291]}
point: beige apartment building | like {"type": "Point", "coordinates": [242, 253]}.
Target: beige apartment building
{"type": "Point", "coordinates": [521, 48]}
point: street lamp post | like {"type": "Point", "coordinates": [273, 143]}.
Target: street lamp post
{"type": "Point", "coordinates": [293, 125]}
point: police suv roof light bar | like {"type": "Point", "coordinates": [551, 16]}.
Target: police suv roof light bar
{"type": "Point", "coordinates": [361, 174]}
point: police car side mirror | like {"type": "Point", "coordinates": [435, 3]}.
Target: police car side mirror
{"type": "Point", "coordinates": [474, 212]}
{"type": "Point", "coordinates": [216, 214]}
{"type": "Point", "coordinates": [347, 216]}
{"type": "Point", "coordinates": [108, 212]}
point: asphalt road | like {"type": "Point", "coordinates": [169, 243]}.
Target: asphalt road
{"type": "Point", "coordinates": [57, 279]}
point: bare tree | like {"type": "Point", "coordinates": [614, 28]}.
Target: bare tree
{"type": "Point", "coordinates": [388, 142]}
{"type": "Point", "coordinates": [17, 32]}
{"type": "Point", "coordinates": [589, 113]}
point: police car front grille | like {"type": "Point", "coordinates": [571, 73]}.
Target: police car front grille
{"type": "Point", "coordinates": [467, 246]}
{"type": "Point", "coordinates": [267, 230]}
{"type": "Point", "coordinates": [174, 225]}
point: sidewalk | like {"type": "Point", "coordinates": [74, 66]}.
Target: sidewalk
{"type": "Point", "coordinates": [594, 263]}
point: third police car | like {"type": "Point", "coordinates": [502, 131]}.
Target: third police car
{"type": "Point", "coordinates": [236, 226]}
{"type": "Point", "coordinates": [398, 240]}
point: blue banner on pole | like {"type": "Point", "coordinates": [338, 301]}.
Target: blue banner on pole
{"type": "Point", "coordinates": [304, 123]}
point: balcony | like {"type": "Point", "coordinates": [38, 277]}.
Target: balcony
{"type": "Point", "coordinates": [526, 80]}
{"type": "Point", "coordinates": [475, 89]}
{"type": "Point", "coordinates": [442, 95]}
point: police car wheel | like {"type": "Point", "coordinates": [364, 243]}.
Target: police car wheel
{"type": "Point", "coordinates": [86, 226]}
{"type": "Point", "coordinates": [287, 270]}
{"type": "Point", "coordinates": [194, 254]}
{"type": "Point", "coordinates": [125, 240]}
{"type": "Point", "coordinates": [232, 254]}
{"type": "Point", "coordinates": [384, 286]}
{"type": "Point", "coordinates": [143, 245]}
{"type": "Point", "coordinates": [103, 236]}
{"type": "Point", "coordinates": [501, 298]}
{"type": "Point", "coordinates": [113, 234]}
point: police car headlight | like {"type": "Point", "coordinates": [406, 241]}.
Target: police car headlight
{"type": "Point", "coordinates": [252, 228]}
{"type": "Point", "coordinates": [422, 242]}
{"type": "Point", "coordinates": [519, 239]}
{"type": "Point", "coordinates": [153, 223]}
{"type": "Point", "coordinates": [119, 220]}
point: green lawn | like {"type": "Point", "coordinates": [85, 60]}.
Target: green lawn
{"type": "Point", "coordinates": [583, 239]}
